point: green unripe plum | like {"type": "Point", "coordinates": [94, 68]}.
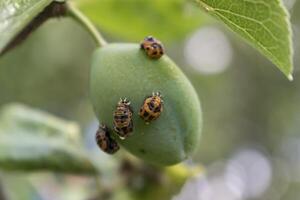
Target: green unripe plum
{"type": "Point", "coordinates": [124, 70]}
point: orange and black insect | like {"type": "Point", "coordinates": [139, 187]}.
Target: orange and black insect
{"type": "Point", "coordinates": [153, 47]}
{"type": "Point", "coordinates": [104, 140]}
{"type": "Point", "coordinates": [152, 107]}
{"type": "Point", "coordinates": [122, 120]}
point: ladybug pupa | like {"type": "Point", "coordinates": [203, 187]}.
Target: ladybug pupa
{"type": "Point", "coordinates": [104, 140]}
{"type": "Point", "coordinates": [152, 107]}
{"type": "Point", "coordinates": [153, 47]}
{"type": "Point", "coordinates": [122, 119]}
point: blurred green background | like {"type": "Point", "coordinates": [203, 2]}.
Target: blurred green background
{"type": "Point", "coordinates": [250, 145]}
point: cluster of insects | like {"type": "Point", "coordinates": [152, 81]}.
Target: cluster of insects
{"type": "Point", "coordinates": [150, 110]}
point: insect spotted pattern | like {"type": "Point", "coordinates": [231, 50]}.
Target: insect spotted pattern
{"type": "Point", "coordinates": [122, 119]}
{"type": "Point", "coordinates": [104, 140]}
{"type": "Point", "coordinates": [153, 47]}
{"type": "Point", "coordinates": [152, 107]}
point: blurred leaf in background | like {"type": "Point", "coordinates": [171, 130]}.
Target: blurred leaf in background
{"type": "Point", "coordinates": [33, 140]}
{"type": "Point", "coordinates": [168, 20]}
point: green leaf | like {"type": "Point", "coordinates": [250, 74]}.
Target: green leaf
{"type": "Point", "coordinates": [134, 19]}
{"type": "Point", "coordinates": [16, 15]}
{"type": "Point", "coordinates": [263, 23]}
{"type": "Point", "coordinates": [34, 140]}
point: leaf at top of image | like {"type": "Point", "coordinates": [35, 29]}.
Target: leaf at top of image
{"type": "Point", "coordinates": [263, 23]}
{"type": "Point", "coordinates": [15, 15]}
{"type": "Point", "coordinates": [168, 20]}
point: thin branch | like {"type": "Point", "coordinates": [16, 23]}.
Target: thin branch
{"type": "Point", "coordinates": [87, 24]}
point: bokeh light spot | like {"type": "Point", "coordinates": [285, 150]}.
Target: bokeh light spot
{"type": "Point", "coordinates": [208, 51]}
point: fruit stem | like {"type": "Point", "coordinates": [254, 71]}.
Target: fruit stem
{"type": "Point", "coordinates": [76, 14]}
